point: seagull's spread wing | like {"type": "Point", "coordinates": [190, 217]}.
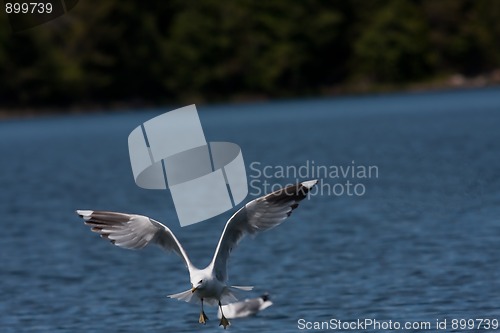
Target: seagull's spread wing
{"type": "Point", "coordinates": [132, 231]}
{"type": "Point", "coordinates": [258, 215]}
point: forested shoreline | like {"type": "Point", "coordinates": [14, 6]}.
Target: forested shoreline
{"type": "Point", "coordinates": [126, 53]}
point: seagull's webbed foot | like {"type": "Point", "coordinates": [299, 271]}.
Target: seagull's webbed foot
{"type": "Point", "coordinates": [223, 320]}
{"type": "Point", "coordinates": [203, 318]}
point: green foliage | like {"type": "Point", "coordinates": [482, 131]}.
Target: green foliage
{"type": "Point", "coordinates": [394, 45]}
{"type": "Point", "coordinates": [255, 47]}
{"type": "Point", "coordinates": [465, 34]}
{"type": "Point", "coordinates": [190, 50]}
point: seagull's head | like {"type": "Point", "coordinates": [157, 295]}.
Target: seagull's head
{"type": "Point", "coordinates": [197, 284]}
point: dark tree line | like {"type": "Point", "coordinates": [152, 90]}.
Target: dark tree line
{"type": "Point", "coordinates": [106, 52]}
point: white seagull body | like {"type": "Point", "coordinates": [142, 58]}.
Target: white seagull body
{"type": "Point", "coordinates": [248, 307]}
{"type": "Point", "coordinates": [208, 285]}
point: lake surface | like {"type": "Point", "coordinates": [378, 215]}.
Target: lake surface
{"type": "Point", "coordinates": [421, 243]}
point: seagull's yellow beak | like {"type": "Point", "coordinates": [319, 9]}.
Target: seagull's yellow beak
{"type": "Point", "coordinates": [194, 289]}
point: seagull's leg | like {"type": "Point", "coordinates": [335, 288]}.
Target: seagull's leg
{"type": "Point", "coordinates": [203, 317]}
{"type": "Point", "coordinates": [223, 320]}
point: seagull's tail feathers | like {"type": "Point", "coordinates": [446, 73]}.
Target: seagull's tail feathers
{"type": "Point", "coordinates": [232, 294]}
{"type": "Point", "coordinates": [229, 295]}
{"type": "Point", "coordinates": [186, 296]}
{"type": "Point", "coordinates": [244, 288]}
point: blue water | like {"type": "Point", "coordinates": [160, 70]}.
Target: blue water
{"type": "Point", "coordinates": [421, 243]}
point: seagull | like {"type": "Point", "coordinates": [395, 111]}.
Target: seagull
{"type": "Point", "coordinates": [208, 285]}
{"type": "Point", "coordinates": [245, 308]}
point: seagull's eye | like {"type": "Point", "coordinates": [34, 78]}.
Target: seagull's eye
{"type": "Point", "coordinates": [200, 282]}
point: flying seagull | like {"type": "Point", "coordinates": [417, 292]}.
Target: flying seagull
{"type": "Point", "coordinates": [208, 285]}
{"type": "Point", "coordinates": [248, 307]}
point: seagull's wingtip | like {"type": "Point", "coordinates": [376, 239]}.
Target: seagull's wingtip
{"type": "Point", "coordinates": [84, 213]}
{"type": "Point", "coordinates": [310, 183]}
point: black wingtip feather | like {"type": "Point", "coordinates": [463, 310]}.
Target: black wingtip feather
{"type": "Point", "coordinates": [295, 192]}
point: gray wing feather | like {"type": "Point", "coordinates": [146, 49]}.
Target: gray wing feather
{"type": "Point", "coordinates": [258, 215]}
{"type": "Point", "coordinates": [132, 231]}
